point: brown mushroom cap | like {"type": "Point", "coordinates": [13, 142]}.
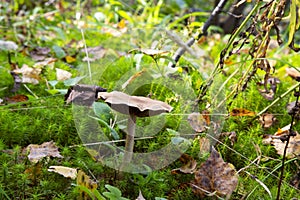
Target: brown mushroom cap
{"type": "Point", "coordinates": [134, 105]}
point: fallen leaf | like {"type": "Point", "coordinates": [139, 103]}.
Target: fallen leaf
{"type": "Point", "coordinates": [215, 177]}
{"type": "Point", "coordinates": [267, 120]}
{"type": "Point", "coordinates": [17, 98]}
{"type": "Point", "coordinates": [47, 62]}
{"type": "Point", "coordinates": [85, 181]}
{"type": "Point", "coordinates": [8, 45]}
{"type": "Point", "coordinates": [29, 75]}
{"type": "Point", "coordinates": [295, 181]}
{"type": "Point", "coordinates": [293, 149]}
{"type": "Point", "coordinates": [204, 144]}
{"type": "Point", "coordinates": [65, 171]}
{"type": "Point", "coordinates": [40, 53]}
{"type": "Point", "coordinates": [198, 122]}
{"type": "Point", "coordinates": [34, 172]}
{"type": "Point", "coordinates": [80, 94]}
{"type": "Point", "coordinates": [292, 72]}
{"type": "Point", "coordinates": [95, 53]}
{"type": "Point", "coordinates": [62, 75]}
{"type": "Point", "coordinates": [115, 30]}
{"type": "Point", "coordinates": [189, 166]}
{"type": "Point", "coordinates": [231, 135]}
{"type": "Point", "coordinates": [270, 87]}
{"type": "Point", "coordinates": [38, 152]}
{"type": "Point", "coordinates": [241, 112]}
{"type": "Point", "coordinates": [140, 197]}
{"type": "Point", "coordinates": [293, 109]}
{"type": "Point", "coordinates": [279, 141]}
{"type": "Point", "coordinates": [70, 59]}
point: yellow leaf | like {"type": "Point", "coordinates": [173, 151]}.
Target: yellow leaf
{"type": "Point", "coordinates": [241, 112]}
{"type": "Point", "coordinates": [70, 59]}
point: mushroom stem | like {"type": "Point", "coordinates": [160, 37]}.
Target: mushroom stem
{"type": "Point", "coordinates": [129, 140]}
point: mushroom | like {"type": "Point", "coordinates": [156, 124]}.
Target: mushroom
{"type": "Point", "coordinates": [134, 106]}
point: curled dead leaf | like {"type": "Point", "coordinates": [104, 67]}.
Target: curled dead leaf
{"type": "Point", "coordinates": [199, 122]}
{"type": "Point", "coordinates": [292, 72]}
{"type": "Point", "coordinates": [65, 171]}
{"type": "Point", "coordinates": [293, 109]}
{"type": "Point", "coordinates": [270, 87]}
{"type": "Point", "coordinates": [215, 177]}
{"type": "Point", "coordinates": [189, 166]}
{"type": "Point", "coordinates": [278, 140]}
{"type": "Point", "coordinates": [231, 135]}
{"type": "Point", "coordinates": [95, 53]}
{"type": "Point", "coordinates": [267, 120]}
{"type": "Point", "coordinates": [38, 152]}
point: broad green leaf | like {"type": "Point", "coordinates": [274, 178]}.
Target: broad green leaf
{"type": "Point", "coordinates": [103, 111]}
{"type": "Point", "coordinates": [113, 190]}
{"type": "Point", "coordinates": [125, 15]}
{"type": "Point", "coordinates": [59, 52]}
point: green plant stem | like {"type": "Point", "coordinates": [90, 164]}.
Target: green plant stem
{"type": "Point", "coordinates": [229, 44]}
{"type": "Point", "coordinates": [277, 99]}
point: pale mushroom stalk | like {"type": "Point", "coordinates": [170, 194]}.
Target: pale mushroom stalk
{"type": "Point", "coordinates": [129, 139]}
{"type": "Point", "coordinates": [133, 106]}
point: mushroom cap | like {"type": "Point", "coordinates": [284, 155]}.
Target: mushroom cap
{"type": "Point", "coordinates": [134, 105]}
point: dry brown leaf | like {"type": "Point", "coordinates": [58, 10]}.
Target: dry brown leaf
{"type": "Point", "coordinates": [95, 53]}
{"type": "Point", "coordinates": [293, 109]}
{"type": "Point", "coordinates": [270, 87]}
{"type": "Point", "coordinates": [204, 144]}
{"type": "Point", "coordinates": [241, 112]}
{"type": "Point", "coordinates": [215, 177]}
{"type": "Point", "coordinates": [29, 74]}
{"type": "Point", "coordinates": [292, 72]}
{"type": "Point", "coordinates": [17, 98]}
{"type": "Point", "coordinates": [137, 105]}
{"type": "Point", "coordinates": [40, 53]}
{"type": "Point", "coordinates": [62, 75]}
{"type": "Point", "coordinates": [231, 135]}
{"type": "Point", "coordinates": [189, 166]}
{"type": "Point", "coordinates": [199, 122]}
{"type": "Point", "coordinates": [279, 142]}
{"type": "Point", "coordinates": [65, 171]}
{"type": "Point", "coordinates": [34, 172]}
{"type": "Point", "coordinates": [267, 120]}
{"type": "Point", "coordinates": [47, 62]}
{"type": "Point", "coordinates": [38, 152]}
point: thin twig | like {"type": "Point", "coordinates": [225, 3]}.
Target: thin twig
{"type": "Point", "coordinates": [192, 40]}
{"type": "Point", "coordinates": [287, 144]}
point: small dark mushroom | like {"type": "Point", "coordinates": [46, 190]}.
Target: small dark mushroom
{"type": "Point", "coordinates": [134, 106]}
